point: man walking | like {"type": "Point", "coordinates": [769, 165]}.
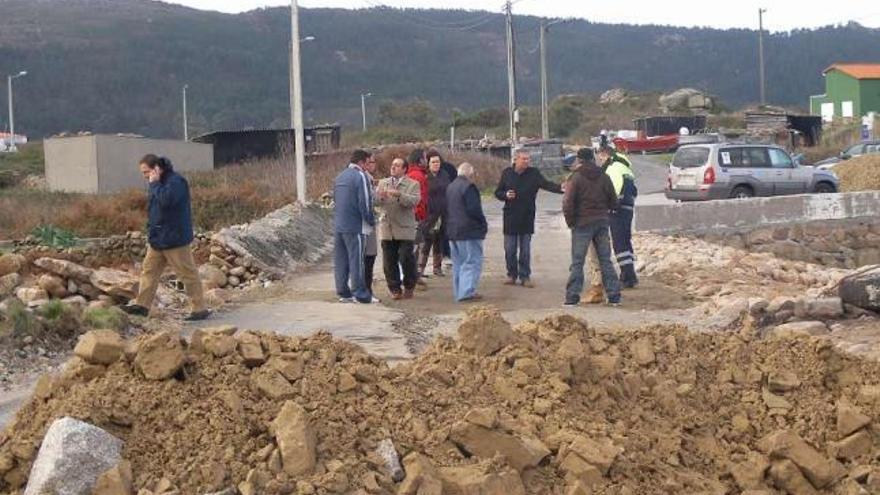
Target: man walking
{"type": "Point", "coordinates": [353, 220]}
{"type": "Point", "coordinates": [624, 183]}
{"type": "Point", "coordinates": [518, 188]}
{"type": "Point", "coordinates": [170, 234]}
{"type": "Point", "coordinates": [397, 196]}
{"type": "Point", "coordinates": [589, 197]}
{"type": "Point", "coordinates": [466, 229]}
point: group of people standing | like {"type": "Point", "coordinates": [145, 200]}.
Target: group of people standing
{"type": "Point", "coordinates": [430, 210]}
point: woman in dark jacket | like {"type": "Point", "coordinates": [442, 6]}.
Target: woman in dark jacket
{"type": "Point", "coordinates": [438, 181]}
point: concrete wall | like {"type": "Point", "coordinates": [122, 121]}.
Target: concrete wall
{"type": "Point", "coordinates": [106, 164]}
{"type": "Point", "coordinates": [756, 212]}
{"type": "Point", "coordinates": [118, 157]}
{"type": "Point", "coordinates": [70, 164]}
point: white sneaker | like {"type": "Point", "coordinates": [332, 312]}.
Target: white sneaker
{"type": "Point", "coordinates": [346, 300]}
{"type": "Point", "coordinates": [376, 300]}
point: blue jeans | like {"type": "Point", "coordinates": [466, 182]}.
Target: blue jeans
{"type": "Point", "coordinates": [348, 264]}
{"type": "Point", "coordinates": [581, 237]}
{"type": "Point", "coordinates": [467, 265]}
{"type": "Point", "coordinates": [518, 267]}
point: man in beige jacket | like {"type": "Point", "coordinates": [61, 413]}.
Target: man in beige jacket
{"type": "Point", "coordinates": [398, 196]}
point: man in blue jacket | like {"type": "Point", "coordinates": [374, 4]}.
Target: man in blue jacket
{"type": "Point", "coordinates": [466, 228]}
{"type": "Point", "coordinates": [170, 234]}
{"type": "Point", "coordinates": [353, 221]}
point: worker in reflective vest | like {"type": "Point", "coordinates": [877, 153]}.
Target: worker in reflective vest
{"type": "Point", "coordinates": [619, 170]}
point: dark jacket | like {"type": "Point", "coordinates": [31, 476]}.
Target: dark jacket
{"type": "Point", "coordinates": [169, 223]}
{"type": "Point", "coordinates": [589, 197]}
{"type": "Point", "coordinates": [450, 170]}
{"type": "Point", "coordinates": [464, 212]}
{"type": "Point", "coordinates": [353, 203]}
{"type": "Point", "coordinates": [437, 185]}
{"type": "Point", "coordinates": [519, 214]}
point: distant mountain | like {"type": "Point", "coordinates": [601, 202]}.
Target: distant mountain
{"type": "Point", "coordinates": [119, 65]}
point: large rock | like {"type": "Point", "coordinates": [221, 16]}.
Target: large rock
{"type": "Point", "coordinates": [72, 457]}
{"type": "Point", "coordinates": [251, 350]}
{"type": "Point", "coordinates": [296, 439]}
{"type": "Point", "coordinates": [484, 331]}
{"type": "Point", "coordinates": [65, 269]}
{"type": "Point", "coordinates": [850, 419]}
{"type": "Point", "coordinates": [11, 263]}
{"type": "Point", "coordinates": [54, 285]}
{"type": "Point", "coordinates": [100, 347]}
{"type": "Point", "coordinates": [600, 454]}
{"type": "Point", "coordinates": [862, 290]}
{"type": "Point", "coordinates": [28, 295]}
{"type": "Point", "coordinates": [521, 453]}
{"type": "Point", "coordinates": [820, 308]}
{"type": "Point", "coordinates": [799, 329]}
{"type": "Point", "coordinates": [476, 480]}
{"type": "Point", "coordinates": [160, 357]}
{"type": "Point", "coordinates": [786, 475]}
{"type": "Point", "coordinates": [820, 470]}
{"type": "Point", "coordinates": [8, 284]}
{"type": "Point", "coordinates": [116, 283]}
{"type": "Point", "coordinates": [212, 277]}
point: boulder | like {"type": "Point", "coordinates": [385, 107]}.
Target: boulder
{"type": "Point", "coordinates": [160, 357]}
{"type": "Point", "coordinates": [28, 295]}
{"type": "Point", "coordinates": [862, 289]}
{"type": "Point", "coordinates": [212, 277]}
{"type": "Point", "coordinates": [484, 331]}
{"type": "Point", "coordinates": [72, 457]}
{"type": "Point", "coordinates": [100, 347]}
{"type": "Point", "coordinates": [477, 480]}
{"type": "Point", "coordinates": [600, 454]}
{"type": "Point", "coordinates": [799, 329]}
{"type": "Point", "coordinates": [54, 285]}
{"type": "Point", "coordinates": [850, 419]}
{"type": "Point", "coordinates": [11, 263]}
{"type": "Point", "coordinates": [854, 446]}
{"type": "Point", "coordinates": [296, 439]}
{"type": "Point", "coordinates": [65, 269]}
{"type": "Point", "coordinates": [521, 453]}
{"type": "Point", "coordinates": [8, 284]}
{"type": "Point", "coordinates": [388, 453]}
{"type": "Point", "coordinates": [786, 475]}
{"type": "Point", "coordinates": [251, 350]}
{"type": "Point", "coordinates": [820, 470]}
{"type": "Point", "coordinates": [116, 283]}
{"type": "Point", "coordinates": [823, 308]}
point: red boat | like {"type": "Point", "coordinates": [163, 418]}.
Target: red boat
{"type": "Point", "coordinates": [653, 144]}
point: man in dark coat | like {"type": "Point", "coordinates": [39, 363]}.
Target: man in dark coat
{"type": "Point", "coordinates": [518, 188]}
{"type": "Point", "coordinates": [466, 228]}
{"type": "Point", "coordinates": [170, 234]}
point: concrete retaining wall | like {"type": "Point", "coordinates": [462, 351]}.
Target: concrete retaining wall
{"type": "Point", "coordinates": [756, 212]}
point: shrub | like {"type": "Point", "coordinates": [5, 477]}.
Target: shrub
{"type": "Point", "coordinates": [105, 318]}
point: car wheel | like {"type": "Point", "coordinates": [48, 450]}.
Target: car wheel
{"type": "Point", "coordinates": [742, 192]}
{"type": "Point", "coordinates": [824, 188]}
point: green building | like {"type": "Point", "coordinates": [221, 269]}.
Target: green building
{"type": "Point", "coordinates": [851, 91]}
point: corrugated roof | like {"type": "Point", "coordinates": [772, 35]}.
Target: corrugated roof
{"type": "Point", "coordinates": [858, 71]}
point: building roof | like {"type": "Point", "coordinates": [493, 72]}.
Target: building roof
{"type": "Point", "coordinates": [858, 71]}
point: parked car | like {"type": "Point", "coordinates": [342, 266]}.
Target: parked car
{"type": "Point", "coordinates": [858, 149]}
{"type": "Point", "coordinates": [726, 170]}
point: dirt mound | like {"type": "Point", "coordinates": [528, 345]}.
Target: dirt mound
{"type": "Point", "coordinates": [861, 173]}
{"type": "Point", "coordinates": [552, 407]}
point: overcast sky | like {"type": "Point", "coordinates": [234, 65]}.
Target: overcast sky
{"type": "Point", "coordinates": [782, 15]}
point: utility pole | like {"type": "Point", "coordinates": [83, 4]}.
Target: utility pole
{"type": "Point", "coordinates": [761, 53]}
{"type": "Point", "coordinates": [296, 107]}
{"type": "Point", "coordinates": [364, 97]}
{"type": "Point", "coordinates": [12, 146]}
{"type": "Point", "coordinates": [545, 101]}
{"type": "Point", "coordinates": [185, 127]}
{"type": "Point", "coordinates": [511, 78]}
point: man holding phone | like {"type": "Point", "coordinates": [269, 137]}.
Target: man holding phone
{"type": "Point", "coordinates": [398, 196]}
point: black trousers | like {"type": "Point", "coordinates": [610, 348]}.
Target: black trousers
{"type": "Point", "coordinates": [397, 255]}
{"type": "Point", "coordinates": [369, 263]}
{"type": "Point", "coordinates": [621, 235]}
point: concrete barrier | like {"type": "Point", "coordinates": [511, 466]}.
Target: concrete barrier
{"type": "Point", "coordinates": [755, 212]}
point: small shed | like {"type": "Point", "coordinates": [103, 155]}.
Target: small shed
{"type": "Point", "coordinates": [793, 131]}
{"type": "Point", "coordinates": [254, 144]}
{"type": "Point", "coordinates": [851, 91]}
{"type": "Point", "coordinates": [102, 164]}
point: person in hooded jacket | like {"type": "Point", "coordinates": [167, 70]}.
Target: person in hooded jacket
{"type": "Point", "coordinates": [624, 181]}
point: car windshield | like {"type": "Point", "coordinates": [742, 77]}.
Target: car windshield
{"type": "Point", "coordinates": [690, 157]}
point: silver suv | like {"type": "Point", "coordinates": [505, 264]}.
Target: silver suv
{"type": "Point", "coordinates": [727, 170]}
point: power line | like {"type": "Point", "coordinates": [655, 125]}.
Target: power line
{"type": "Point", "coordinates": [463, 25]}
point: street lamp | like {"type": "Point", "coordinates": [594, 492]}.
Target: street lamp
{"type": "Point", "coordinates": [9, 79]}
{"type": "Point", "coordinates": [364, 97]}
{"type": "Point", "coordinates": [185, 127]}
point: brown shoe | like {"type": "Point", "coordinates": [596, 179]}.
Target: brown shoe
{"type": "Point", "coordinates": [510, 281]}
{"type": "Point", "coordinates": [528, 284]}
{"type": "Point", "coordinates": [594, 295]}
{"type": "Point", "coordinates": [408, 293]}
